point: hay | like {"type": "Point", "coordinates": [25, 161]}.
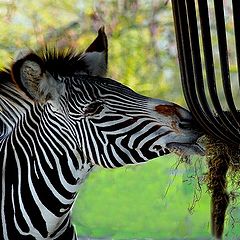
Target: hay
{"type": "Point", "coordinates": [223, 166]}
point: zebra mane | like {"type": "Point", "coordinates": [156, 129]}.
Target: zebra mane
{"type": "Point", "coordinates": [63, 62]}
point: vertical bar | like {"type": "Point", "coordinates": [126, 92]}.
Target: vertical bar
{"type": "Point", "coordinates": [191, 72]}
{"type": "Point", "coordinates": [210, 123]}
{"type": "Point", "coordinates": [182, 35]}
{"type": "Point", "coordinates": [208, 56]}
{"type": "Point", "coordinates": [223, 54]}
{"type": "Point", "coordinates": [177, 24]}
{"type": "Point", "coordinates": [236, 14]}
{"type": "Point", "coordinates": [187, 62]}
{"type": "Point", "coordinates": [224, 124]}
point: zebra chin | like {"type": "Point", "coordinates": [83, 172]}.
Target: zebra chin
{"type": "Point", "coordinates": [182, 149]}
{"type": "Point", "coordinates": [186, 143]}
{"type": "Point", "coordinates": [186, 149]}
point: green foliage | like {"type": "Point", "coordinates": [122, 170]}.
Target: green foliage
{"type": "Point", "coordinates": [142, 51]}
{"type": "Point", "coordinates": [161, 199]}
{"type": "Point", "coordinates": [145, 201]}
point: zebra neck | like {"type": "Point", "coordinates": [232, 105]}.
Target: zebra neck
{"type": "Point", "coordinates": [41, 167]}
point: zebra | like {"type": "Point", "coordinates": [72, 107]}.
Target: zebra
{"type": "Point", "coordinates": [59, 118]}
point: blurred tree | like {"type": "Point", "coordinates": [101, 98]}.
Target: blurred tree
{"type": "Point", "coordinates": [142, 51]}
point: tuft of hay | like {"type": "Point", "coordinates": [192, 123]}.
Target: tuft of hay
{"type": "Point", "coordinates": [223, 164]}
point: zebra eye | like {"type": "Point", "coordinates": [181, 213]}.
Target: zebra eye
{"type": "Point", "coordinates": [93, 108]}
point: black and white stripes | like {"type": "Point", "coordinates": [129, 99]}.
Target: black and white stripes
{"type": "Point", "coordinates": [41, 170]}
{"type": "Point", "coordinates": [114, 124]}
{"type": "Point", "coordinates": [55, 126]}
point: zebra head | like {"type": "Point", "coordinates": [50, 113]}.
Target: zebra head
{"type": "Point", "coordinates": [110, 123]}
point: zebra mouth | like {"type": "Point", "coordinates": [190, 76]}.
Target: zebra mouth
{"type": "Point", "coordinates": [186, 149]}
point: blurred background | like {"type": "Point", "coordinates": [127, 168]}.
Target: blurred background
{"type": "Point", "coordinates": [165, 198]}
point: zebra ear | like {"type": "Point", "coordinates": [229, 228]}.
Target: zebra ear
{"type": "Point", "coordinates": [31, 77]}
{"type": "Point", "coordinates": [96, 55]}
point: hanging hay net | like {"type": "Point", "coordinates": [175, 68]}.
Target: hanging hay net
{"type": "Point", "coordinates": [223, 166]}
{"type": "Point", "coordinates": [211, 90]}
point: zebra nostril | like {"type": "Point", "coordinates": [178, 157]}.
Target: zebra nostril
{"type": "Point", "coordinates": [186, 124]}
{"type": "Point", "coordinates": [190, 124]}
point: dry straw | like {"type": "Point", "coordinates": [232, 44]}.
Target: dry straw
{"type": "Point", "coordinates": [223, 167]}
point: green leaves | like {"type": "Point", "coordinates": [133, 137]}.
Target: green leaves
{"type": "Point", "coordinates": [141, 37]}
